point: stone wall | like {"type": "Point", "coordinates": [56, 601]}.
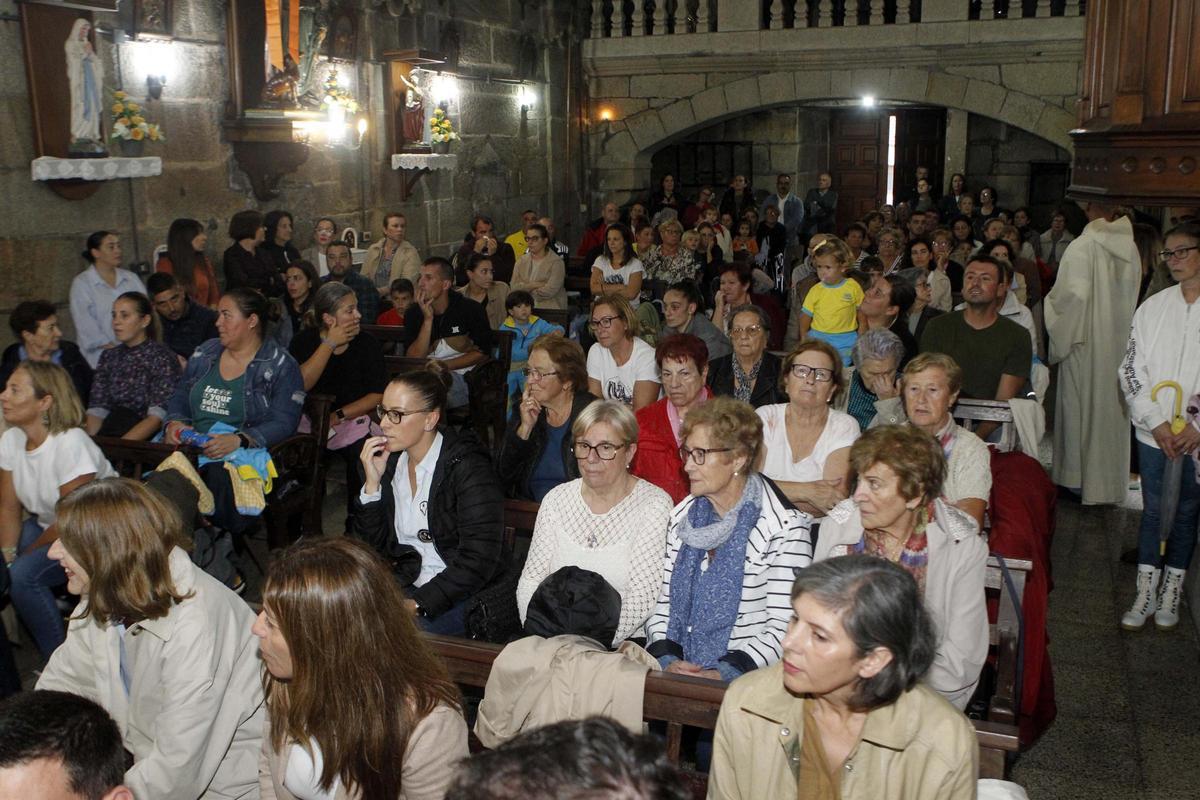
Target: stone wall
{"type": "Point", "coordinates": [999, 155]}
{"type": "Point", "coordinates": [507, 158]}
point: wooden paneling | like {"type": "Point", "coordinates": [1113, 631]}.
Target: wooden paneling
{"type": "Point", "coordinates": [920, 141]}
{"type": "Point", "coordinates": [859, 138]}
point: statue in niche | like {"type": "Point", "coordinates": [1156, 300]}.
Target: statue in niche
{"type": "Point", "coordinates": [314, 26]}
{"type": "Point", "coordinates": [85, 74]}
{"type": "Point", "coordinates": [280, 88]}
{"type": "Point", "coordinates": [412, 115]}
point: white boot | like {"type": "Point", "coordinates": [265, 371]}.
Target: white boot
{"type": "Point", "coordinates": [1167, 615]}
{"type": "Point", "coordinates": [1144, 603]}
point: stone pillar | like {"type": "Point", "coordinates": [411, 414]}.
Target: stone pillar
{"type": "Point", "coordinates": [956, 145]}
{"type": "Point", "coordinates": [738, 15]}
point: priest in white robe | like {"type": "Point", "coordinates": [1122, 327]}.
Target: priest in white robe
{"type": "Point", "coordinates": [1088, 314]}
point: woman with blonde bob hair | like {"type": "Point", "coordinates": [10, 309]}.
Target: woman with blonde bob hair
{"type": "Point", "coordinates": [44, 455]}
{"type": "Point", "coordinates": [162, 645]}
{"type": "Point", "coordinates": [358, 704]}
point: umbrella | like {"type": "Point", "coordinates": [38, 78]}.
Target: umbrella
{"type": "Point", "coordinates": [1173, 472]}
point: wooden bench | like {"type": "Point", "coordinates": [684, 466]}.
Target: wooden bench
{"type": "Point", "coordinates": [293, 506]}
{"type": "Point", "coordinates": [391, 337]}
{"type": "Point", "coordinates": [555, 316]}
{"type": "Point", "coordinates": [680, 700]}
{"type": "Point", "coordinates": [969, 413]}
{"type": "Point", "coordinates": [1004, 706]}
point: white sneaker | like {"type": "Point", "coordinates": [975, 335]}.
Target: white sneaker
{"type": "Point", "coordinates": [1167, 615]}
{"type": "Point", "coordinates": [1144, 603]}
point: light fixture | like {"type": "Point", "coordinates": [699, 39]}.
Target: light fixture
{"type": "Point", "coordinates": [868, 101]}
{"type": "Point", "coordinates": [526, 97]}
{"type": "Point", "coordinates": [444, 89]}
{"type": "Point", "coordinates": [157, 61]}
{"type": "Point", "coordinates": [606, 114]}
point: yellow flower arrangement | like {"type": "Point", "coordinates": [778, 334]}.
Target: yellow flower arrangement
{"type": "Point", "coordinates": [440, 127]}
{"type": "Point", "coordinates": [129, 123]}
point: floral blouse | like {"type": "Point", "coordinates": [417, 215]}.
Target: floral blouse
{"type": "Point", "coordinates": [672, 269]}
{"type": "Point", "coordinates": [140, 379]}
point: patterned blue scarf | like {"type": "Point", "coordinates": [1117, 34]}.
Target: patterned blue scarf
{"type": "Point", "coordinates": [704, 603]}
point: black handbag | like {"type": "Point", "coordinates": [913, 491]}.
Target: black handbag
{"type": "Point", "coordinates": [492, 615]}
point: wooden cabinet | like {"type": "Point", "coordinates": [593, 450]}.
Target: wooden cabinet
{"type": "Point", "coordinates": [1138, 139]}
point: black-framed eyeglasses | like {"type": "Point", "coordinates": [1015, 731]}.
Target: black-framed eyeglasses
{"type": "Point", "coordinates": [535, 374]}
{"type": "Point", "coordinates": [819, 374]}
{"type": "Point", "coordinates": [605, 451]}
{"type": "Point", "coordinates": [603, 322]}
{"type": "Point", "coordinates": [1179, 253]}
{"type": "Point", "coordinates": [397, 415]}
{"type": "Point", "coordinates": [699, 454]}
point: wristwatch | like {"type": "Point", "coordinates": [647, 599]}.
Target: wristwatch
{"type": "Point", "coordinates": [245, 440]}
{"type": "Point", "coordinates": [340, 414]}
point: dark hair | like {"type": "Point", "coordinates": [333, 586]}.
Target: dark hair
{"type": "Point", "coordinates": [689, 290]}
{"type": "Point", "coordinates": [64, 727]}
{"type": "Point", "coordinates": [332, 222]}
{"type": "Point", "coordinates": [984, 258]}
{"type": "Point", "coordinates": [1019, 209]}
{"type": "Point", "coordinates": [444, 266]}
{"type": "Point", "coordinates": [870, 215]}
{"type": "Point", "coordinates": [310, 272]}
{"type": "Point", "coordinates": [271, 222]}
{"type": "Point", "coordinates": [519, 297]}
{"type": "Point", "coordinates": [337, 243]}
{"type": "Point", "coordinates": [476, 259]}
{"type": "Point", "coordinates": [954, 221]}
{"type": "Point", "coordinates": [26, 317]}
{"type": "Point", "coordinates": [901, 293]}
{"type": "Point", "coordinates": [326, 301]}
{"type": "Point", "coordinates": [478, 218]}
{"type": "Point", "coordinates": [184, 258]}
{"type": "Point", "coordinates": [160, 282]}
{"type": "Point", "coordinates": [93, 243]}
{"type": "Point", "coordinates": [1191, 229]}
{"type": "Point", "coordinates": [861, 277]}
{"type": "Point", "coordinates": [869, 263]}
{"type": "Point", "coordinates": [144, 308]}
{"type": "Point", "coordinates": [245, 224]}
{"type": "Point", "coordinates": [540, 228]}
{"type": "Point", "coordinates": [388, 217]}
{"type": "Point", "coordinates": [992, 244]}
{"type": "Point", "coordinates": [590, 758]}
{"type": "Point", "coordinates": [745, 272]}
{"type": "Point", "coordinates": [857, 226]}
{"type": "Point", "coordinates": [995, 194]}
{"type": "Point", "coordinates": [251, 303]}
{"type": "Point", "coordinates": [680, 347]}
{"type": "Point", "coordinates": [431, 383]}
{"type": "Point", "coordinates": [764, 319]}
{"type": "Point", "coordinates": [958, 175]}
{"type": "Point", "coordinates": [916, 240]}
{"type": "Point", "coordinates": [401, 285]}
{"type": "Point", "coordinates": [880, 606]}
{"type": "Point", "coordinates": [627, 235]}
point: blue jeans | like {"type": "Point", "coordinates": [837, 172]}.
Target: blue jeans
{"type": "Point", "coordinates": [451, 623]}
{"type": "Point", "coordinates": [1183, 533]}
{"type": "Point", "coordinates": [459, 394]}
{"type": "Point", "coordinates": [10, 679]}
{"type": "Point", "coordinates": [34, 575]}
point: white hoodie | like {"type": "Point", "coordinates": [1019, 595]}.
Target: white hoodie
{"type": "Point", "coordinates": [1164, 345]}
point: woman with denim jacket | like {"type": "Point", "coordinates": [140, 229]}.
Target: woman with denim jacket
{"type": "Point", "coordinates": [243, 379]}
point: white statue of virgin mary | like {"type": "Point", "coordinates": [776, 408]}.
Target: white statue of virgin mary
{"type": "Point", "coordinates": [86, 76]}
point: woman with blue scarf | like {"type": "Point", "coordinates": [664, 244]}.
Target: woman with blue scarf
{"type": "Point", "coordinates": [734, 548]}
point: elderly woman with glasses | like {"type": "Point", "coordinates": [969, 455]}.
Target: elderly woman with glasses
{"type": "Point", "coordinates": [620, 366]}
{"type": "Point", "coordinates": [845, 710]}
{"type": "Point", "coordinates": [749, 373]}
{"type": "Point", "coordinates": [607, 520]}
{"type": "Point", "coordinates": [535, 455]}
{"type": "Point", "coordinates": [430, 503]}
{"type": "Point", "coordinates": [734, 548]}
{"type": "Point", "coordinates": [897, 513]}
{"type": "Point", "coordinates": [671, 263]}
{"type": "Point", "coordinates": [807, 440]}
{"type": "Point", "coordinates": [683, 367]}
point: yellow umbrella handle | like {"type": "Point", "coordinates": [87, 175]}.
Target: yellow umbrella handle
{"type": "Point", "coordinates": [1178, 423]}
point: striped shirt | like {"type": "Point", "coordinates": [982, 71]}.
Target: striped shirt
{"type": "Point", "coordinates": [778, 548]}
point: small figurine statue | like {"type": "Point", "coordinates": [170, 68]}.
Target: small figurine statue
{"type": "Point", "coordinates": [412, 116]}
{"type": "Point", "coordinates": [281, 86]}
{"type": "Point", "coordinates": [85, 74]}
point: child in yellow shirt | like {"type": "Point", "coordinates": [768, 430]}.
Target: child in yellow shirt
{"type": "Point", "coordinates": [830, 310]}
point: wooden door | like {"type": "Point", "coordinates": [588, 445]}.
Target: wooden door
{"type": "Point", "coordinates": [920, 141]}
{"type": "Point", "coordinates": [858, 142]}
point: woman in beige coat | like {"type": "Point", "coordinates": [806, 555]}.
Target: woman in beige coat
{"type": "Point", "coordinates": [844, 713]}
{"type": "Point", "coordinates": [163, 646]}
{"type": "Point", "coordinates": [540, 271]}
{"type": "Point", "coordinates": [358, 704]}
{"type": "Point", "coordinates": [392, 256]}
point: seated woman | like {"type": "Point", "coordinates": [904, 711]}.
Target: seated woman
{"type": "Point", "coordinates": [896, 514]}
{"type": "Point", "coordinates": [335, 638]}
{"type": "Point", "coordinates": [277, 244]}
{"type": "Point", "coordinates": [324, 232]}
{"type": "Point", "coordinates": [246, 262]}
{"type": "Point", "coordinates": [302, 283]}
{"type": "Point", "coordinates": [928, 391]}
{"type": "Point", "coordinates": [536, 454]}
{"type": "Point", "coordinates": [135, 379]}
{"type": "Point", "coordinates": [877, 356]}
{"type": "Point", "coordinates": [922, 310]}
{"type": "Point", "coordinates": [186, 260]}
{"type": "Point", "coordinates": [541, 271]}
{"type": "Point", "coordinates": [336, 358]}
{"type": "Point", "coordinates": [186, 695]}
{"type": "Point", "coordinates": [807, 441]}
{"type": "Point", "coordinates": [671, 262]}
{"type": "Point", "coordinates": [242, 382]}
{"type": "Point", "coordinates": [733, 550]}
{"type": "Point", "coordinates": [606, 521]}
{"type": "Point", "coordinates": [392, 256]}
{"type": "Point", "coordinates": [34, 324]}
{"type": "Point", "coordinates": [44, 455]}
{"type": "Point", "coordinates": [430, 503]}
{"type": "Point", "coordinates": [616, 270]}
{"type": "Point", "coordinates": [846, 702]}
{"type": "Point", "coordinates": [620, 366]}
{"type": "Point", "coordinates": [93, 292]}
{"type": "Point", "coordinates": [885, 307]}
{"type": "Point", "coordinates": [734, 291]}
{"type": "Point", "coordinates": [482, 287]}
{"type": "Point", "coordinates": [683, 367]}
{"type": "Point", "coordinates": [749, 373]}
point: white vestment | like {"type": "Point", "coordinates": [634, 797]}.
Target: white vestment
{"type": "Point", "coordinates": [1088, 314]}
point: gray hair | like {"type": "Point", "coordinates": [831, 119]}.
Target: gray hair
{"type": "Point", "coordinates": [614, 412]}
{"type": "Point", "coordinates": [326, 300]}
{"type": "Point", "coordinates": [879, 605]}
{"type": "Point", "coordinates": [878, 344]}
{"type": "Point", "coordinates": [763, 319]}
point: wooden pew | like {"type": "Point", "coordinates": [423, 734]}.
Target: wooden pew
{"type": "Point", "coordinates": [391, 337]}
{"type": "Point", "coordinates": [1004, 706]}
{"type": "Point", "coordinates": [555, 316]}
{"type": "Point", "coordinates": [680, 700]}
{"type": "Point", "coordinates": [298, 491]}
{"type": "Point", "coordinates": [969, 413]}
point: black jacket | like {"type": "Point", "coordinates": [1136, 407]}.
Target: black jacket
{"type": "Point", "coordinates": [518, 457]}
{"type": "Point", "coordinates": [466, 523]}
{"type": "Point", "coordinates": [72, 361]}
{"type": "Point", "coordinates": [766, 388]}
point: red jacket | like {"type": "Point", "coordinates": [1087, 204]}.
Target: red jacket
{"type": "Point", "coordinates": [657, 458]}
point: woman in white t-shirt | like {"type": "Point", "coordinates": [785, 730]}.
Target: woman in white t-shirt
{"type": "Point", "coordinates": [807, 442]}
{"type": "Point", "coordinates": [616, 270]}
{"type": "Point", "coordinates": [620, 366]}
{"type": "Point", "coordinates": [44, 455]}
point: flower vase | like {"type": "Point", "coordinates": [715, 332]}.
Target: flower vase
{"type": "Point", "coordinates": [441, 148]}
{"type": "Point", "coordinates": [132, 148]}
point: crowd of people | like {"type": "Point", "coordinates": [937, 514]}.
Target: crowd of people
{"type": "Point", "coordinates": [744, 435]}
